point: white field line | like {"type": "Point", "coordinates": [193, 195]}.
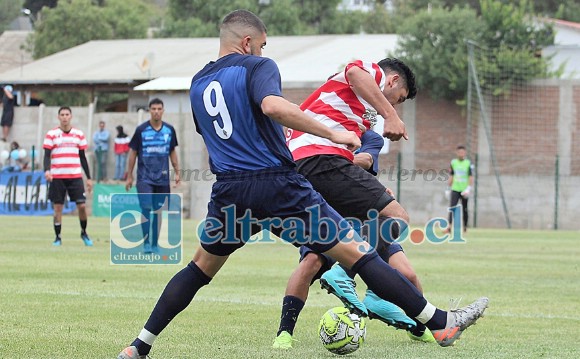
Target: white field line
{"type": "Point", "coordinates": [276, 303]}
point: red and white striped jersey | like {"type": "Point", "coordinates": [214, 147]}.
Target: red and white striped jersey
{"type": "Point", "coordinates": [122, 144]}
{"type": "Point", "coordinates": [337, 106]}
{"type": "Point", "coordinates": [65, 161]}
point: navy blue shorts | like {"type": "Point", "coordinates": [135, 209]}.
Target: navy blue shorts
{"type": "Point", "coordinates": [278, 199]}
{"type": "Point", "coordinates": [152, 197]}
{"type": "Point", "coordinates": [385, 249]}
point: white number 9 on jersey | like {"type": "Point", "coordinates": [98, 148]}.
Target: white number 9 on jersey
{"type": "Point", "coordinates": [219, 109]}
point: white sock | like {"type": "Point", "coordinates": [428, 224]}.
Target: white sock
{"type": "Point", "coordinates": [427, 313]}
{"type": "Point", "coordinates": [147, 337]}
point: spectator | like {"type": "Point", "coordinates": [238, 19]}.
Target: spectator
{"type": "Point", "coordinates": [121, 150]}
{"type": "Point", "coordinates": [101, 141]}
{"type": "Point", "coordinates": [7, 111]}
{"type": "Point", "coordinates": [16, 161]}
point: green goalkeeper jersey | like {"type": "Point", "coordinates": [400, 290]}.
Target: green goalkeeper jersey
{"type": "Point", "coordinates": [460, 170]}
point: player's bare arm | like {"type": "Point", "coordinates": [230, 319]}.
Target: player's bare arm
{"type": "Point", "coordinates": [130, 166]}
{"type": "Point", "coordinates": [175, 164]}
{"type": "Point", "coordinates": [290, 115]}
{"type": "Point", "coordinates": [365, 86]}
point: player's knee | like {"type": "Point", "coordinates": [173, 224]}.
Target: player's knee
{"type": "Point", "coordinates": [395, 210]}
{"type": "Point", "coordinates": [312, 263]}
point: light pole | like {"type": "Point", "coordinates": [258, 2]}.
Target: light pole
{"type": "Point", "coordinates": [30, 16]}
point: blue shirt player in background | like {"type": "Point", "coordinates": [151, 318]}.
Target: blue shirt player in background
{"type": "Point", "coordinates": [239, 110]}
{"type": "Point", "coordinates": [152, 145]}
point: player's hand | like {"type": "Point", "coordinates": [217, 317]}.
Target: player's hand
{"type": "Point", "coordinates": [394, 128]}
{"type": "Point", "coordinates": [177, 179]}
{"type": "Point", "coordinates": [390, 192]}
{"type": "Point", "coordinates": [48, 176]}
{"type": "Point", "coordinates": [349, 138]}
{"type": "Point", "coordinates": [89, 186]}
{"type": "Point", "coordinates": [466, 193]}
{"type": "Point", "coordinates": [129, 183]}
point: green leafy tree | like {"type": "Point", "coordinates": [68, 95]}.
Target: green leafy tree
{"type": "Point", "coordinates": [199, 18]}
{"type": "Point", "coordinates": [128, 19]}
{"type": "Point", "coordinates": [568, 10]}
{"type": "Point", "coordinates": [282, 17]}
{"type": "Point", "coordinates": [433, 45]}
{"type": "Point", "coordinates": [74, 22]}
{"type": "Point", "coordinates": [193, 18]}
{"type": "Point", "coordinates": [9, 10]}
{"type": "Point", "coordinates": [515, 45]}
{"type": "Point", "coordinates": [69, 24]}
{"type": "Point", "coordinates": [378, 21]}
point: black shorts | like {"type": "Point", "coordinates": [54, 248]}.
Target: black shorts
{"type": "Point", "coordinates": [59, 187]}
{"type": "Point", "coordinates": [7, 118]}
{"type": "Point", "coordinates": [348, 188]}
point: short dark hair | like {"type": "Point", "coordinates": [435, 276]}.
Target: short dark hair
{"type": "Point", "coordinates": [460, 147]}
{"type": "Point", "coordinates": [64, 108]}
{"type": "Point", "coordinates": [398, 66]}
{"type": "Point", "coordinates": [246, 18]}
{"type": "Point", "coordinates": [156, 101]}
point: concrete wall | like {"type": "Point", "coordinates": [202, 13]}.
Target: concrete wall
{"type": "Point", "coordinates": [525, 152]}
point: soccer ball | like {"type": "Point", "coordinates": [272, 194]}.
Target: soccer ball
{"type": "Point", "coordinates": [341, 331]}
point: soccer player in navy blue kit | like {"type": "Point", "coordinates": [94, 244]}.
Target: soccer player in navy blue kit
{"type": "Point", "coordinates": [153, 144]}
{"type": "Point", "coordinates": [239, 111]}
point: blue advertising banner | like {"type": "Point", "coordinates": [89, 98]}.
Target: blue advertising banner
{"type": "Point", "coordinates": [26, 194]}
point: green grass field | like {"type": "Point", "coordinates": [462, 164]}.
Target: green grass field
{"type": "Point", "coordinates": [69, 302]}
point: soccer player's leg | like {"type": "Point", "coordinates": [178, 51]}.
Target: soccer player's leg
{"type": "Point", "coordinates": [382, 235]}
{"type": "Point", "coordinates": [207, 261]}
{"type": "Point", "coordinates": [76, 192]}
{"type": "Point", "coordinates": [455, 197]}
{"type": "Point", "coordinates": [56, 194]}
{"type": "Point", "coordinates": [310, 268]}
{"type": "Point", "coordinates": [397, 259]}
{"type": "Point", "coordinates": [145, 195]}
{"type": "Point", "coordinates": [160, 202]}
{"type": "Point", "coordinates": [388, 284]}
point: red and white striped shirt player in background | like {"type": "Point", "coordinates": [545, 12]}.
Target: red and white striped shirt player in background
{"type": "Point", "coordinates": [64, 156]}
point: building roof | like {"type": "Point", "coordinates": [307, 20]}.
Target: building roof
{"type": "Point", "coordinates": [12, 54]}
{"type": "Point", "coordinates": [128, 63]}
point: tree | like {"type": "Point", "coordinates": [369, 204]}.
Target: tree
{"type": "Point", "coordinates": [193, 18]}
{"type": "Point", "coordinates": [433, 45]}
{"type": "Point", "coordinates": [74, 22]}
{"type": "Point", "coordinates": [514, 43]}
{"type": "Point", "coordinates": [9, 10]}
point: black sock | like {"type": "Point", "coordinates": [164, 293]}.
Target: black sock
{"type": "Point", "coordinates": [291, 308]}
{"type": "Point", "coordinates": [177, 295]}
{"type": "Point", "coordinates": [389, 284]}
{"type": "Point", "coordinates": [392, 286]}
{"type": "Point", "coordinates": [83, 226]}
{"type": "Point", "coordinates": [57, 228]}
{"type": "Point", "coordinates": [419, 328]}
{"type": "Point", "coordinates": [438, 321]}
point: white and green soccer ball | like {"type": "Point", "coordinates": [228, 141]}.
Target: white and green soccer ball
{"type": "Point", "coordinates": [341, 331]}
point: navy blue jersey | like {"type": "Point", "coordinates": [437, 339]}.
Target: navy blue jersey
{"type": "Point", "coordinates": [371, 143]}
{"type": "Point", "coordinates": [153, 149]}
{"type": "Point", "coordinates": [226, 99]}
